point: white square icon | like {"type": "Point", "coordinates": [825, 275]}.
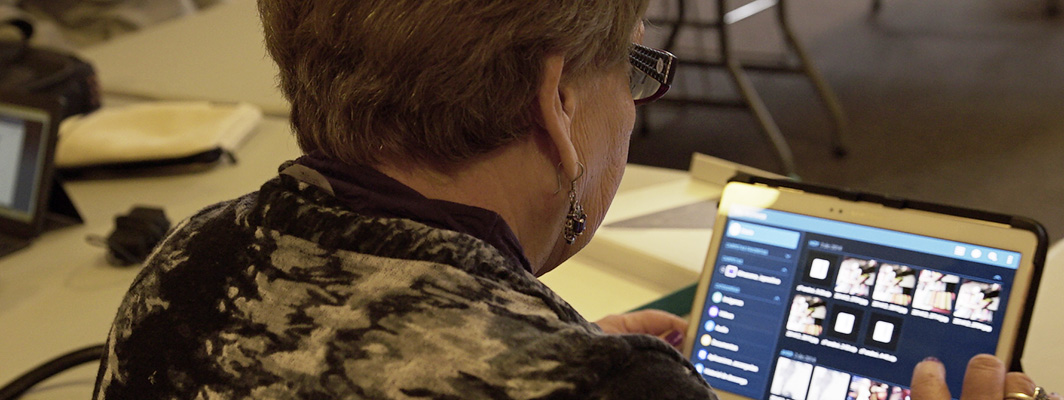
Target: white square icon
{"type": "Point", "coordinates": [844, 323]}
{"type": "Point", "coordinates": [959, 251]}
{"type": "Point", "coordinates": [819, 269]}
{"type": "Point", "coordinates": [731, 271]}
{"type": "Point", "coordinates": [883, 332]}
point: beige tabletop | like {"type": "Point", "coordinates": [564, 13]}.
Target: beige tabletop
{"type": "Point", "coordinates": [215, 55]}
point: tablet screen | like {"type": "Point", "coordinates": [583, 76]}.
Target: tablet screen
{"type": "Point", "coordinates": [801, 307]}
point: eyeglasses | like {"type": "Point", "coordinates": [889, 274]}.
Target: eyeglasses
{"type": "Point", "coordinates": [651, 74]}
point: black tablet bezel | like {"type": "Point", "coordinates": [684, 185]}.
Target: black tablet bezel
{"type": "Point", "coordinates": [1011, 351]}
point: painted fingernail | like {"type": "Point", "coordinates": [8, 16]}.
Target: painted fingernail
{"type": "Point", "coordinates": [933, 359]}
{"type": "Point", "coordinates": [675, 338]}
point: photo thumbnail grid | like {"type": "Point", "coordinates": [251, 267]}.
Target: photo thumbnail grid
{"type": "Point", "coordinates": [798, 380]}
{"type": "Point", "coordinates": [895, 290]}
{"type": "Point", "coordinates": [810, 315]}
{"type": "Point", "coordinates": [900, 285]}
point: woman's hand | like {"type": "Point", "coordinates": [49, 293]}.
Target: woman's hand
{"type": "Point", "coordinates": [668, 327]}
{"type": "Point", "coordinates": [985, 379]}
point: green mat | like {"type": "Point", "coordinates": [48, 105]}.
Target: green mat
{"type": "Point", "coordinates": [678, 302]}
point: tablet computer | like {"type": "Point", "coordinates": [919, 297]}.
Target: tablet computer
{"type": "Point", "coordinates": [811, 293]}
{"type": "Point", "coordinates": [28, 193]}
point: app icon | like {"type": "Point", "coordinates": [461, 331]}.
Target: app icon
{"type": "Point", "coordinates": [959, 251]}
{"type": "Point", "coordinates": [731, 271]}
{"type": "Point", "coordinates": [710, 325]}
{"type": "Point", "coordinates": [705, 340]}
{"type": "Point", "coordinates": [735, 229]}
{"type": "Point", "coordinates": [976, 253]}
{"type": "Point", "coordinates": [717, 297]}
{"type": "Point", "coordinates": [702, 354]}
{"type": "Point", "coordinates": [714, 311]}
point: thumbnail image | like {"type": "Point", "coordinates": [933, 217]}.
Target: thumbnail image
{"type": "Point", "coordinates": [862, 388]}
{"type": "Point", "coordinates": [856, 276]}
{"type": "Point", "coordinates": [845, 322]}
{"type": "Point", "coordinates": [978, 300]}
{"type": "Point", "coordinates": [935, 291]}
{"type": "Point", "coordinates": [807, 315]}
{"type": "Point", "coordinates": [895, 284]}
{"type": "Point", "coordinates": [820, 268]}
{"type": "Point", "coordinates": [791, 379]}
{"type": "Point", "coordinates": [828, 384]}
{"type": "Point", "coordinates": [884, 331]}
{"type": "Point", "coordinates": [899, 393]}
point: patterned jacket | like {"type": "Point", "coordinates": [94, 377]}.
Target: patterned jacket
{"type": "Point", "coordinates": [283, 293]}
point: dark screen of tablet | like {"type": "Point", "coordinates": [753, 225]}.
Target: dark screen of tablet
{"type": "Point", "coordinates": [807, 308]}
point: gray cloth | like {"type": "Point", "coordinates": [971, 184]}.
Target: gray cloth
{"type": "Point", "coordinates": [284, 293]}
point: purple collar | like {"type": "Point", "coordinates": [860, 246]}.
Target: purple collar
{"type": "Point", "coordinates": [368, 192]}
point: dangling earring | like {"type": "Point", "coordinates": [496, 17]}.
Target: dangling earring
{"type": "Point", "coordinates": [575, 220]}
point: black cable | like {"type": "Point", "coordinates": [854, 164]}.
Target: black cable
{"type": "Point", "coordinates": [20, 385]}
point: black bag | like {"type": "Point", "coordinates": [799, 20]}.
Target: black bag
{"type": "Point", "coordinates": [26, 69]}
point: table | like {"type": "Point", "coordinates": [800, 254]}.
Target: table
{"type": "Point", "coordinates": [171, 60]}
{"type": "Point", "coordinates": [60, 294]}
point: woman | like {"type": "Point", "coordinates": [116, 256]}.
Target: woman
{"type": "Point", "coordinates": [455, 150]}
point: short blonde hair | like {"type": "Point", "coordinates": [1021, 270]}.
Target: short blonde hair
{"type": "Point", "coordinates": [437, 81]}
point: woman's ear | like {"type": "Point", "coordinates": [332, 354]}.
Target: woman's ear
{"type": "Point", "coordinates": [557, 104]}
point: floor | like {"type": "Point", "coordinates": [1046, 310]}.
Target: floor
{"type": "Point", "coordinates": [947, 101]}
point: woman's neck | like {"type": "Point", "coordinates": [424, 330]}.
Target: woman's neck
{"type": "Point", "coordinates": [519, 182]}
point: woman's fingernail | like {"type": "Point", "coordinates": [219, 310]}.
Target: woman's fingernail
{"type": "Point", "coordinates": [675, 338]}
{"type": "Point", "coordinates": [933, 359]}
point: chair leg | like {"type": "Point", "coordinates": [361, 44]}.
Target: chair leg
{"type": "Point", "coordinates": [749, 95]}
{"type": "Point", "coordinates": [681, 11]}
{"type": "Point", "coordinates": [670, 43]}
{"type": "Point", "coordinates": [827, 96]}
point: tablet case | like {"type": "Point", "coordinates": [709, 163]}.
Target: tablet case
{"type": "Point", "coordinates": [680, 301]}
{"type": "Point", "coordinates": [1016, 222]}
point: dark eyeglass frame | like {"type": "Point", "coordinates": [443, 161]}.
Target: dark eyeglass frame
{"type": "Point", "coordinates": [659, 65]}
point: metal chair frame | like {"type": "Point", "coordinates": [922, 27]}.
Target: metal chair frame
{"type": "Point", "coordinates": [748, 96]}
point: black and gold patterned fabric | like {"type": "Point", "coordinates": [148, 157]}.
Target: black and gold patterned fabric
{"type": "Point", "coordinates": [286, 294]}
